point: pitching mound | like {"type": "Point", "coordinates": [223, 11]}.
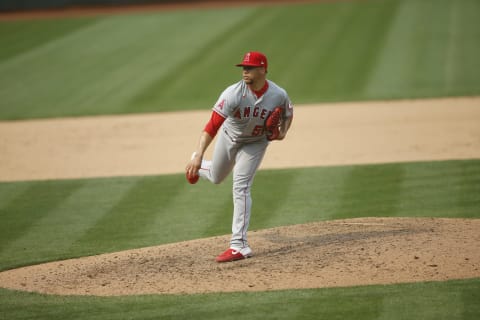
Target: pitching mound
{"type": "Point", "coordinates": [322, 254]}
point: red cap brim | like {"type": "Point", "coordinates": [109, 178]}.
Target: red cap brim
{"type": "Point", "coordinates": [249, 65]}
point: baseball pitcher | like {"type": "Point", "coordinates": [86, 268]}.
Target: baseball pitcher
{"type": "Point", "coordinates": [247, 116]}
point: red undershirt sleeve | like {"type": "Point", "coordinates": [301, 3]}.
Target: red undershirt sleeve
{"type": "Point", "coordinates": [216, 121]}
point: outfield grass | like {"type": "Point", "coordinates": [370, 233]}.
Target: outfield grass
{"type": "Point", "coordinates": [359, 50]}
{"type": "Point", "coordinates": [435, 300]}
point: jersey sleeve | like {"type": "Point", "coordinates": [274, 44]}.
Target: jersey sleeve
{"type": "Point", "coordinates": [215, 122]}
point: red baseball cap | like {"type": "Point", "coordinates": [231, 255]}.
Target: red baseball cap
{"type": "Point", "coordinates": [254, 59]}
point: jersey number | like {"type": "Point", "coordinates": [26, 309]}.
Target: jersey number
{"type": "Point", "coordinates": [257, 131]}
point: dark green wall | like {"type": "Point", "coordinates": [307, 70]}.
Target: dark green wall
{"type": "Point", "coordinates": [22, 5]}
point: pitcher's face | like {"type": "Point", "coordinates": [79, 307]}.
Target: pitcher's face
{"type": "Point", "coordinates": [251, 75]}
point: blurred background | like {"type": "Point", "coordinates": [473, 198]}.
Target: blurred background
{"type": "Point", "coordinates": [14, 5]}
{"type": "Point", "coordinates": [156, 60]}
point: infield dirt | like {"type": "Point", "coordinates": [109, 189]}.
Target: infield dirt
{"type": "Point", "coordinates": [321, 135]}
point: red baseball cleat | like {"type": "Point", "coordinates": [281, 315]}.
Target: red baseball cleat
{"type": "Point", "coordinates": [234, 254]}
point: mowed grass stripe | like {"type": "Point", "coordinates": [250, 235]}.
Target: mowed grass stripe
{"type": "Point", "coordinates": [429, 301]}
{"type": "Point", "coordinates": [35, 202]}
{"type": "Point", "coordinates": [456, 189]}
{"type": "Point", "coordinates": [428, 57]}
{"type": "Point", "coordinates": [468, 194]}
{"type": "Point", "coordinates": [205, 209]}
{"type": "Point", "coordinates": [55, 234]}
{"type": "Point", "coordinates": [9, 192]}
{"type": "Point", "coordinates": [273, 204]}
{"type": "Point", "coordinates": [370, 191]}
{"type": "Point", "coordinates": [53, 73]}
{"type": "Point", "coordinates": [462, 62]}
{"type": "Point", "coordinates": [20, 37]}
{"type": "Point", "coordinates": [204, 61]}
{"type": "Point", "coordinates": [126, 222]}
{"type": "Point", "coordinates": [101, 67]}
{"type": "Point", "coordinates": [161, 210]}
{"type": "Point", "coordinates": [338, 70]}
{"type": "Point", "coordinates": [425, 189]}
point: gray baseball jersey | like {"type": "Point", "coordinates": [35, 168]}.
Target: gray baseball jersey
{"type": "Point", "coordinates": [245, 114]}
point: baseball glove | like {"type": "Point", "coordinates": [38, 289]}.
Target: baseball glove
{"type": "Point", "coordinates": [272, 124]}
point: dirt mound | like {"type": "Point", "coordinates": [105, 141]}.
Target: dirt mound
{"type": "Point", "coordinates": [321, 254]}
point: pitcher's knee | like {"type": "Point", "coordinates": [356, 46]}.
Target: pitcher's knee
{"type": "Point", "coordinates": [215, 179]}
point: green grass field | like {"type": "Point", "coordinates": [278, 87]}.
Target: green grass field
{"type": "Point", "coordinates": [434, 300]}
{"type": "Point", "coordinates": [359, 50]}
{"type": "Point", "coordinates": [157, 62]}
